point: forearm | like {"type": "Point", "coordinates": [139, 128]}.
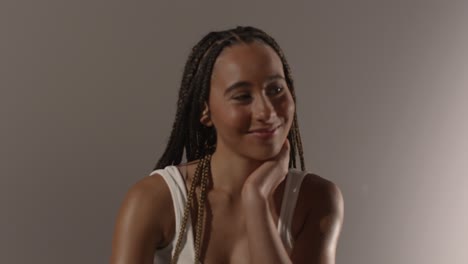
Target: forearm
{"type": "Point", "coordinates": [265, 245]}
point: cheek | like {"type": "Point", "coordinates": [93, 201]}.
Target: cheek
{"type": "Point", "coordinates": [288, 107]}
{"type": "Point", "coordinates": [231, 118]}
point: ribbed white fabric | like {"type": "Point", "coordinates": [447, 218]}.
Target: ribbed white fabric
{"type": "Point", "coordinates": [176, 184]}
{"type": "Point", "coordinates": [288, 206]}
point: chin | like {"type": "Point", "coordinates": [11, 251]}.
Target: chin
{"type": "Point", "coordinates": [263, 153]}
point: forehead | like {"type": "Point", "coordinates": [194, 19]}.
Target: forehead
{"type": "Point", "coordinates": [253, 62]}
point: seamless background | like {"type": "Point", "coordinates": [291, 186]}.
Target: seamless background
{"type": "Point", "coordinates": [88, 94]}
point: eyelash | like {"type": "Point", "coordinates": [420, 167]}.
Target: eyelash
{"type": "Point", "coordinates": [278, 90]}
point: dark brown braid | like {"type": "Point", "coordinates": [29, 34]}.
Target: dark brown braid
{"type": "Point", "coordinates": [199, 141]}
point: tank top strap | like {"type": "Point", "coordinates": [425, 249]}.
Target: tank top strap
{"type": "Point", "coordinates": [288, 206]}
{"type": "Point", "coordinates": [177, 188]}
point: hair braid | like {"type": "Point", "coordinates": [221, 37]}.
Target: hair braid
{"type": "Point", "coordinates": [177, 140]}
{"type": "Point", "coordinates": [204, 135]}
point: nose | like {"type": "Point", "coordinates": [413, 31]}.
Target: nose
{"type": "Point", "coordinates": [263, 109]}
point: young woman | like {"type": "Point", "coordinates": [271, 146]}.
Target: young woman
{"type": "Point", "coordinates": [239, 198]}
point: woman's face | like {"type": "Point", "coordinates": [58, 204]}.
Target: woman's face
{"type": "Point", "coordinates": [249, 92]}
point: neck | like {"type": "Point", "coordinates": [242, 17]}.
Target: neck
{"type": "Point", "coordinates": [230, 171]}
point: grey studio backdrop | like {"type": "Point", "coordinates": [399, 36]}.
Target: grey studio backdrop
{"type": "Point", "coordinates": [88, 96]}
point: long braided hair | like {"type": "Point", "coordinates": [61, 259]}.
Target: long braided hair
{"type": "Point", "coordinates": [199, 141]}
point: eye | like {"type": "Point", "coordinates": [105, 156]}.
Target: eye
{"type": "Point", "coordinates": [276, 90]}
{"type": "Point", "coordinates": [242, 97]}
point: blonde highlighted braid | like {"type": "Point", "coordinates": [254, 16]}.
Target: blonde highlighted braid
{"type": "Point", "coordinates": [200, 178]}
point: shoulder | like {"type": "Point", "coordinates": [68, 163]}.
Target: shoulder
{"type": "Point", "coordinates": [150, 194]}
{"type": "Point", "coordinates": [149, 188]}
{"type": "Point", "coordinates": [321, 203]}
{"type": "Point", "coordinates": [320, 200]}
{"type": "Point", "coordinates": [149, 201]}
{"type": "Point", "coordinates": [323, 194]}
{"type": "Point", "coordinates": [145, 218]}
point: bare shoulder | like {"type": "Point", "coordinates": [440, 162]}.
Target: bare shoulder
{"type": "Point", "coordinates": [319, 199]}
{"type": "Point", "coordinates": [323, 201]}
{"type": "Point", "coordinates": [149, 195]}
{"type": "Point", "coordinates": [319, 224]}
{"type": "Point", "coordinates": [144, 221]}
{"type": "Point", "coordinates": [152, 189]}
{"type": "Point", "coordinates": [151, 202]}
{"type": "Point", "coordinates": [322, 194]}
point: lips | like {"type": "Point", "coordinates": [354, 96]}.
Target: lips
{"type": "Point", "coordinates": [264, 130]}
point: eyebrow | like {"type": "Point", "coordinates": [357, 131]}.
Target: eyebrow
{"type": "Point", "coordinates": [240, 84]}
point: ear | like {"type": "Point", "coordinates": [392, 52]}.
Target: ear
{"type": "Point", "coordinates": [205, 118]}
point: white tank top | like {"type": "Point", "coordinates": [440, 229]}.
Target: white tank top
{"type": "Point", "coordinates": [176, 184]}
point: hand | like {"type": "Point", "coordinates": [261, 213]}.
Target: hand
{"type": "Point", "coordinates": [264, 180]}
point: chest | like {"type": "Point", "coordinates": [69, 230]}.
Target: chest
{"type": "Point", "coordinates": [227, 239]}
{"type": "Point", "coordinates": [224, 234]}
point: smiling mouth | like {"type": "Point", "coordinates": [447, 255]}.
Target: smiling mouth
{"type": "Point", "coordinates": [265, 134]}
{"type": "Point", "coordinates": [268, 130]}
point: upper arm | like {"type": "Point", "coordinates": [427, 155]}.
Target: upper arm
{"type": "Point", "coordinates": [139, 224]}
{"type": "Point", "coordinates": [318, 238]}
